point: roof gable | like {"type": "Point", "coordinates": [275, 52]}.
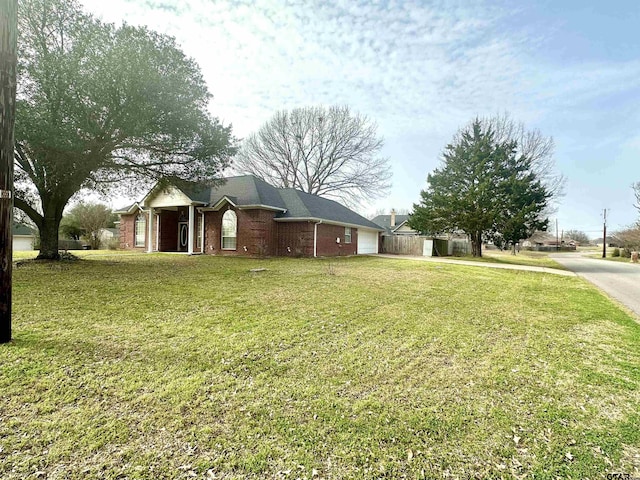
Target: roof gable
{"type": "Point", "coordinates": [403, 227]}
{"type": "Point", "coordinates": [166, 196]}
{"type": "Point", "coordinates": [384, 221]}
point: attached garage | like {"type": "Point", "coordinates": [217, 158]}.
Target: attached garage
{"type": "Point", "coordinates": [367, 241]}
{"type": "Point", "coordinates": [23, 238]}
{"type": "Point", "coordinates": [22, 243]}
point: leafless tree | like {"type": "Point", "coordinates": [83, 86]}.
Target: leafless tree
{"type": "Point", "coordinates": [636, 191]}
{"type": "Point", "coordinates": [88, 219]}
{"type": "Point", "coordinates": [534, 145]}
{"type": "Point", "coordinates": [578, 235]}
{"type": "Point", "coordinates": [330, 152]}
{"type": "Point", "coordinates": [629, 237]}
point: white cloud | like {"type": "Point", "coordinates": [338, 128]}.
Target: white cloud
{"type": "Point", "coordinates": [419, 69]}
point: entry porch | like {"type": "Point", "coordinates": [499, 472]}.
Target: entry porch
{"type": "Point", "coordinates": [175, 229]}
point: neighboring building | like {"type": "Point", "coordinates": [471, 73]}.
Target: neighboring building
{"type": "Point", "coordinates": [612, 241]}
{"type": "Point", "coordinates": [399, 238]}
{"type": "Point", "coordinates": [244, 216]}
{"type": "Point", "coordinates": [545, 241]}
{"type": "Point", "coordinates": [540, 239]}
{"type": "Point", "coordinates": [108, 235]}
{"type": "Point", "coordinates": [394, 224]}
{"type": "Point", "coordinates": [23, 237]}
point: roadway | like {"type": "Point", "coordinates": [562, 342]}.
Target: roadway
{"type": "Point", "coordinates": [620, 280]}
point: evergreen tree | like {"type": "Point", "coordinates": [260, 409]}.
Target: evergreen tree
{"type": "Point", "coordinates": [484, 188]}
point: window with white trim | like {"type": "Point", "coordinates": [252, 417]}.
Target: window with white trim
{"type": "Point", "coordinates": [140, 230]}
{"type": "Point", "coordinates": [229, 230]}
{"type": "Point", "coordinates": [347, 234]}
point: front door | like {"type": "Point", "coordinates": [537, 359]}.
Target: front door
{"type": "Point", "coordinates": [183, 236]}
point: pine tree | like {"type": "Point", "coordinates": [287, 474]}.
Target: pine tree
{"type": "Point", "coordinates": [484, 189]}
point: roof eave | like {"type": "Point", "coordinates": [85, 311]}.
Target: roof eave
{"type": "Point", "coordinates": [262, 207]}
{"type": "Point", "coordinates": [328, 222]}
{"type": "Point", "coordinates": [393, 229]}
{"type": "Point", "coordinates": [218, 205]}
{"type": "Point", "coordinates": [131, 209]}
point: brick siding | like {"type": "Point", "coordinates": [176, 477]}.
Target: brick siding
{"type": "Point", "coordinates": [327, 246]}
{"type": "Point", "coordinates": [258, 234]}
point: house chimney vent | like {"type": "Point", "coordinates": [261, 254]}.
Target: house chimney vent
{"type": "Point", "coordinates": [393, 217]}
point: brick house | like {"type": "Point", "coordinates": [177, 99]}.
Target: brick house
{"type": "Point", "coordinates": [394, 224]}
{"type": "Point", "coordinates": [244, 216]}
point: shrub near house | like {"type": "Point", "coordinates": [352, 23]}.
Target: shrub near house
{"type": "Point", "coordinates": [245, 216]}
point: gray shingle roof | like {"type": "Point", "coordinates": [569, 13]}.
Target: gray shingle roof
{"type": "Point", "coordinates": [384, 221]}
{"type": "Point", "coordinates": [21, 229]}
{"type": "Point", "coordinates": [249, 190]}
{"type": "Point", "coordinates": [243, 190]}
{"type": "Point", "coordinates": [125, 209]}
{"type": "Point", "coordinates": [304, 205]}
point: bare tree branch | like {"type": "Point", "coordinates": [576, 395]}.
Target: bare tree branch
{"type": "Point", "coordinates": [533, 145]}
{"type": "Point", "coordinates": [330, 152]}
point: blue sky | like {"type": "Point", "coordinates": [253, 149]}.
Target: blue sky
{"type": "Point", "coordinates": [423, 69]}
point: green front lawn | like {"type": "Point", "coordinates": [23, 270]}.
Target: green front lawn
{"type": "Point", "coordinates": [524, 257]}
{"type": "Point", "coordinates": [168, 366]}
{"type": "Point", "coordinates": [611, 258]}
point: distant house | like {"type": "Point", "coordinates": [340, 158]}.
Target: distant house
{"type": "Point", "coordinates": [108, 235]}
{"type": "Point", "coordinates": [539, 239]}
{"type": "Point", "coordinates": [612, 241]}
{"type": "Point", "coordinates": [244, 216]}
{"type": "Point", "coordinates": [546, 241]}
{"type": "Point", "coordinates": [23, 237]}
{"type": "Point", "coordinates": [394, 224]}
{"type": "Point", "coordinates": [399, 238]}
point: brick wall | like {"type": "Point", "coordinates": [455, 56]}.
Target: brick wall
{"type": "Point", "coordinates": [256, 233]}
{"type": "Point", "coordinates": [128, 232]}
{"type": "Point", "coordinates": [329, 247]}
{"type": "Point", "coordinates": [295, 239]}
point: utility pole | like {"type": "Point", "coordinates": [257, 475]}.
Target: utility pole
{"type": "Point", "coordinates": [8, 62]}
{"type": "Point", "coordinates": [604, 234]}
{"type": "Point", "coordinates": [557, 238]}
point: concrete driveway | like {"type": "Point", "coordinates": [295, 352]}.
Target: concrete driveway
{"type": "Point", "coordinates": [620, 280]}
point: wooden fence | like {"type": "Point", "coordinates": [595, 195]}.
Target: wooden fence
{"type": "Point", "coordinates": [402, 245]}
{"type": "Point", "coordinates": [414, 245]}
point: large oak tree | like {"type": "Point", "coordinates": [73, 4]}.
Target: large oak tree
{"type": "Point", "coordinates": [485, 188]}
{"type": "Point", "coordinates": [102, 106]}
{"type": "Point", "coordinates": [330, 152]}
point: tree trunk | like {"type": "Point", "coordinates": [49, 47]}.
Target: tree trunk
{"type": "Point", "coordinates": [8, 61]}
{"type": "Point", "coordinates": [476, 244]}
{"type": "Point", "coordinates": [94, 240]}
{"type": "Point", "coordinates": [49, 238]}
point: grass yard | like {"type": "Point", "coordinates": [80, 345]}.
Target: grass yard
{"type": "Point", "coordinates": [524, 257]}
{"type": "Point", "coordinates": [168, 366]}
{"type": "Point", "coordinates": [611, 258]}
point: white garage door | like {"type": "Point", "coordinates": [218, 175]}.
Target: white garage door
{"type": "Point", "coordinates": [22, 243]}
{"type": "Point", "coordinates": [367, 241]}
